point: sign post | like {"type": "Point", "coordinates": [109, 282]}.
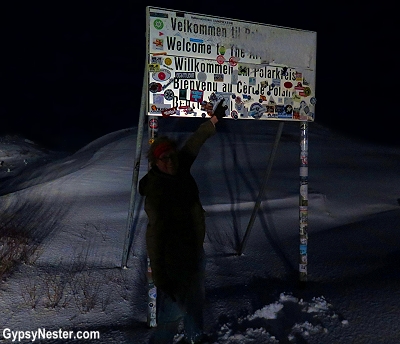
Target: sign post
{"type": "Point", "coordinates": [303, 202]}
{"type": "Point", "coordinates": [135, 175]}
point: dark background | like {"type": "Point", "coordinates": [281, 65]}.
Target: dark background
{"type": "Point", "coordinates": [73, 71]}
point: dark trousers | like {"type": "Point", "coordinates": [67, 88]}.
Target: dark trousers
{"type": "Point", "coordinates": [187, 307]}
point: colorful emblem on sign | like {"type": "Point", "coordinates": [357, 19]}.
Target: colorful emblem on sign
{"type": "Point", "coordinates": [168, 94]}
{"type": "Point", "coordinates": [233, 61]}
{"type": "Point", "coordinates": [158, 24]}
{"type": "Point", "coordinates": [288, 84]}
{"type": "Point", "coordinates": [220, 59]}
{"type": "Point", "coordinates": [158, 43]}
{"type": "Point", "coordinates": [168, 112]}
{"type": "Point", "coordinates": [155, 87]}
{"type": "Point", "coordinates": [196, 96]}
{"type": "Point", "coordinates": [162, 75]}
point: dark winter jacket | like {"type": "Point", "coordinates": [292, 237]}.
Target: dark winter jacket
{"type": "Point", "coordinates": [176, 227]}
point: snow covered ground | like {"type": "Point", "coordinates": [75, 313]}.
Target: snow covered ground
{"type": "Point", "coordinates": [72, 210]}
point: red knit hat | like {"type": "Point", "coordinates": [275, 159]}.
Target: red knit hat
{"type": "Point", "coordinates": [162, 148]}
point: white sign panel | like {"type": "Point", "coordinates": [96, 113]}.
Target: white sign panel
{"type": "Point", "coordinates": [262, 71]}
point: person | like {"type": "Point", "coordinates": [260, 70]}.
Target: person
{"type": "Point", "coordinates": [176, 231]}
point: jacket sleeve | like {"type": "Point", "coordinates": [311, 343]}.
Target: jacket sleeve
{"type": "Point", "coordinates": [197, 139]}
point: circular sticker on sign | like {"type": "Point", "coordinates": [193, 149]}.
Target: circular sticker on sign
{"type": "Point", "coordinates": [234, 114]}
{"type": "Point", "coordinates": [307, 91]}
{"type": "Point", "coordinates": [168, 61]}
{"type": "Point", "coordinates": [255, 107]}
{"type": "Point", "coordinates": [201, 76]}
{"type": "Point", "coordinates": [233, 61]}
{"type": "Point", "coordinates": [168, 95]}
{"type": "Point", "coordinates": [155, 87]}
{"type": "Point", "coordinates": [288, 84]}
{"type": "Point", "coordinates": [158, 24]}
{"type": "Point", "coordinates": [313, 100]}
{"type": "Point", "coordinates": [256, 110]}
{"type": "Point", "coordinates": [220, 59]}
{"type": "Point", "coordinates": [162, 75]}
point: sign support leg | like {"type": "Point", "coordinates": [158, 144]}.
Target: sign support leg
{"type": "Point", "coordinates": [263, 189]}
{"type": "Point", "coordinates": [135, 176]}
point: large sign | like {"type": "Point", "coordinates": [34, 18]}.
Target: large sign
{"type": "Point", "coordinates": [261, 71]}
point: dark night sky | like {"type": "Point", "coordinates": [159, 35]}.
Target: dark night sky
{"type": "Point", "coordinates": [73, 71]}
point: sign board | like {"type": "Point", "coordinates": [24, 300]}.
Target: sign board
{"type": "Point", "coordinates": [262, 71]}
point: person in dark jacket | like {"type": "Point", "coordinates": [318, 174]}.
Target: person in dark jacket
{"type": "Point", "coordinates": [175, 232]}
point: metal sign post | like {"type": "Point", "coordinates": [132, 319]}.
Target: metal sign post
{"type": "Point", "coordinates": [135, 176]}
{"type": "Point", "coordinates": [151, 288]}
{"type": "Point", "coordinates": [303, 201]}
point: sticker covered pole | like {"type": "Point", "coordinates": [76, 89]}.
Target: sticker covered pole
{"type": "Point", "coordinates": [151, 288]}
{"type": "Point", "coordinates": [303, 202]}
{"type": "Point", "coordinates": [152, 129]}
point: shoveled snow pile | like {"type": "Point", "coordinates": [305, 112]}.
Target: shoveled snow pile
{"type": "Point", "coordinates": [318, 311]}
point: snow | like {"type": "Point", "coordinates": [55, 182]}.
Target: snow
{"type": "Point", "coordinates": [73, 209]}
